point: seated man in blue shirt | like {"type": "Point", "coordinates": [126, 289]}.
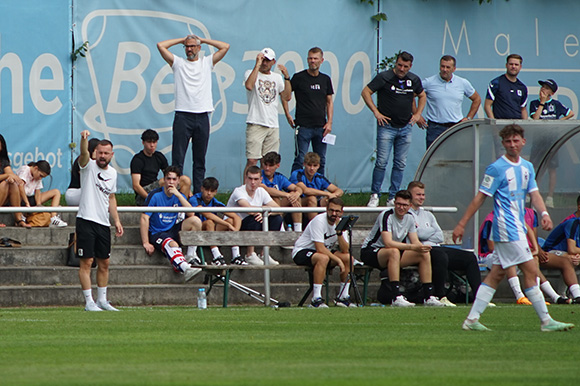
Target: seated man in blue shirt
{"type": "Point", "coordinates": [284, 192]}
{"type": "Point", "coordinates": [160, 230]}
{"type": "Point", "coordinates": [315, 187]}
{"type": "Point", "coordinates": [211, 221]}
{"type": "Point", "coordinates": [563, 252]}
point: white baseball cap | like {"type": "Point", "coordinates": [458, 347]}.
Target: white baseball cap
{"type": "Point", "coordinates": [269, 53]}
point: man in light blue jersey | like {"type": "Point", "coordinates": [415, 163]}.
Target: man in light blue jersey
{"type": "Point", "coordinates": [508, 180]}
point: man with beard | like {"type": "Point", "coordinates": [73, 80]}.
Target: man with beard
{"type": "Point", "coordinates": [507, 96]}
{"type": "Point", "coordinates": [98, 187]}
{"type": "Point", "coordinates": [319, 246]}
{"type": "Point", "coordinates": [193, 100]}
{"type": "Point", "coordinates": [314, 109]}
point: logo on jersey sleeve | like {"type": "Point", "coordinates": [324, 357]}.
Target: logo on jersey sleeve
{"type": "Point", "coordinates": [487, 181]}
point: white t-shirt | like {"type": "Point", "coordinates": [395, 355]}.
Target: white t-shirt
{"type": "Point", "coordinates": [318, 230]}
{"type": "Point", "coordinates": [428, 230]}
{"type": "Point", "coordinates": [261, 198]}
{"type": "Point", "coordinates": [263, 99]}
{"type": "Point", "coordinates": [30, 185]}
{"type": "Point", "coordinates": [193, 84]}
{"type": "Point", "coordinates": [96, 186]}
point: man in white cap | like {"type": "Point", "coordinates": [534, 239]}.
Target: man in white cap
{"type": "Point", "coordinates": [262, 89]}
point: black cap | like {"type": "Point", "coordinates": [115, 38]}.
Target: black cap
{"type": "Point", "coordinates": [550, 83]}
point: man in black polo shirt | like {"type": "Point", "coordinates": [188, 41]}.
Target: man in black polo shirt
{"type": "Point", "coordinates": [314, 109]}
{"type": "Point", "coordinates": [145, 167]}
{"type": "Point", "coordinates": [396, 90]}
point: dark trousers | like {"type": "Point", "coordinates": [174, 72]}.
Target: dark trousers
{"type": "Point", "coordinates": [194, 127]}
{"type": "Point", "coordinates": [444, 259]}
{"type": "Point", "coordinates": [250, 223]}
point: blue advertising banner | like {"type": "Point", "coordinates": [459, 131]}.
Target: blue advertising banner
{"type": "Point", "coordinates": [124, 86]}
{"type": "Point", "coordinates": [35, 84]}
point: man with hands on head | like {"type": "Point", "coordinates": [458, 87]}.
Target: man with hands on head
{"type": "Point", "coordinates": [193, 99]}
{"type": "Point", "coordinates": [98, 201]}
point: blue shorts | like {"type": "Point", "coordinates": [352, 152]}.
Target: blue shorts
{"type": "Point", "coordinates": [158, 238]}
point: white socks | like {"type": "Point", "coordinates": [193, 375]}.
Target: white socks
{"type": "Point", "coordinates": [484, 295]}
{"type": "Point", "coordinates": [215, 252]}
{"type": "Point", "coordinates": [546, 287]}
{"type": "Point", "coordinates": [344, 288]}
{"type": "Point", "coordinates": [192, 251]}
{"type": "Point", "coordinates": [316, 291]}
{"type": "Point", "coordinates": [235, 252]}
{"type": "Point", "coordinates": [575, 290]}
{"type": "Point", "coordinates": [535, 296]}
{"type": "Point", "coordinates": [88, 294]}
{"type": "Point", "coordinates": [515, 284]}
{"type": "Point", "coordinates": [102, 295]}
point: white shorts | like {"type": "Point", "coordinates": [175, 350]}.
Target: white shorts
{"type": "Point", "coordinates": [261, 140]}
{"type": "Point", "coordinates": [510, 253]}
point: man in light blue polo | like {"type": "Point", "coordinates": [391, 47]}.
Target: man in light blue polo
{"type": "Point", "coordinates": [445, 93]}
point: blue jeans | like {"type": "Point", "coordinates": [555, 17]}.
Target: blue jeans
{"type": "Point", "coordinates": [433, 131]}
{"type": "Point", "coordinates": [399, 140]}
{"type": "Point", "coordinates": [303, 139]}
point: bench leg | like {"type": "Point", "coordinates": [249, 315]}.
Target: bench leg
{"type": "Point", "coordinates": [226, 288]}
{"type": "Point", "coordinates": [309, 290]}
{"type": "Point", "coordinates": [464, 282]}
{"type": "Point", "coordinates": [367, 277]}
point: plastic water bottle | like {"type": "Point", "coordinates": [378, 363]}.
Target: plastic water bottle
{"type": "Point", "coordinates": [201, 299]}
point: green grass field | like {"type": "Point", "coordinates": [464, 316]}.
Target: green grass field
{"type": "Point", "coordinates": [290, 346]}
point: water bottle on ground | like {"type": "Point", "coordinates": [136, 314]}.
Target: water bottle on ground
{"type": "Point", "coordinates": [201, 299]}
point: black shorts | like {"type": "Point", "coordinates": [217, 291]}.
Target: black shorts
{"type": "Point", "coordinates": [93, 239]}
{"type": "Point", "coordinates": [158, 238]}
{"type": "Point", "coordinates": [369, 256]}
{"type": "Point", "coordinates": [304, 257]}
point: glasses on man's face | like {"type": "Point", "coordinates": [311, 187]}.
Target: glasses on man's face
{"type": "Point", "coordinates": [191, 45]}
{"type": "Point", "coordinates": [335, 210]}
{"type": "Point", "coordinates": [402, 204]}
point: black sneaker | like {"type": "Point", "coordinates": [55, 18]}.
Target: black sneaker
{"type": "Point", "coordinates": [219, 261]}
{"type": "Point", "coordinates": [576, 300]}
{"type": "Point", "coordinates": [563, 300]}
{"type": "Point", "coordinates": [239, 261]}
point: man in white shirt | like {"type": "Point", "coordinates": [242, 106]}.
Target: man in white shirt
{"type": "Point", "coordinates": [251, 194]}
{"type": "Point", "coordinates": [319, 246]}
{"type": "Point", "coordinates": [193, 100]}
{"type": "Point", "coordinates": [262, 89]}
{"type": "Point", "coordinates": [98, 187]}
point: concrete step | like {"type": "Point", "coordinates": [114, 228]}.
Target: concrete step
{"type": "Point", "coordinates": [142, 274]}
{"type": "Point", "coordinates": [143, 295]}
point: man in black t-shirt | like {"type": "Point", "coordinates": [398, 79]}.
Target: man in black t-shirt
{"type": "Point", "coordinates": [314, 109]}
{"type": "Point", "coordinates": [396, 90]}
{"type": "Point", "coordinates": [145, 167]}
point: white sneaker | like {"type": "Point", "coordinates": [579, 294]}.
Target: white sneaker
{"type": "Point", "coordinates": [549, 202]}
{"type": "Point", "coordinates": [391, 202]}
{"type": "Point", "coordinates": [106, 306]}
{"type": "Point", "coordinates": [190, 273]}
{"type": "Point", "coordinates": [432, 301]}
{"type": "Point", "coordinates": [56, 222]}
{"type": "Point", "coordinates": [446, 302]}
{"type": "Point", "coordinates": [400, 301]}
{"type": "Point", "coordinates": [253, 259]}
{"type": "Point", "coordinates": [374, 201]}
{"type": "Point", "coordinates": [92, 307]}
{"type": "Point", "coordinates": [271, 260]}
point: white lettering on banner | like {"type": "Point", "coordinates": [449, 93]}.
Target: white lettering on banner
{"type": "Point", "coordinates": [38, 84]}
{"type": "Point", "coordinates": [455, 46]}
{"type": "Point", "coordinates": [132, 75]}
{"type": "Point", "coordinates": [159, 88]}
{"type": "Point", "coordinates": [242, 108]}
{"type": "Point", "coordinates": [12, 62]}
{"type": "Point", "coordinates": [362, 58]}
{"type": "Point", "coordinates": [571, 41]}
{"type": "Point", "coordinates": [332, 60]}
{"type": "Point", "coordinates": [18, 159]}
{"type": "Point", "coordinates": [507, 49]}
{"type": "Point", "coordinates": [284, 59]}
